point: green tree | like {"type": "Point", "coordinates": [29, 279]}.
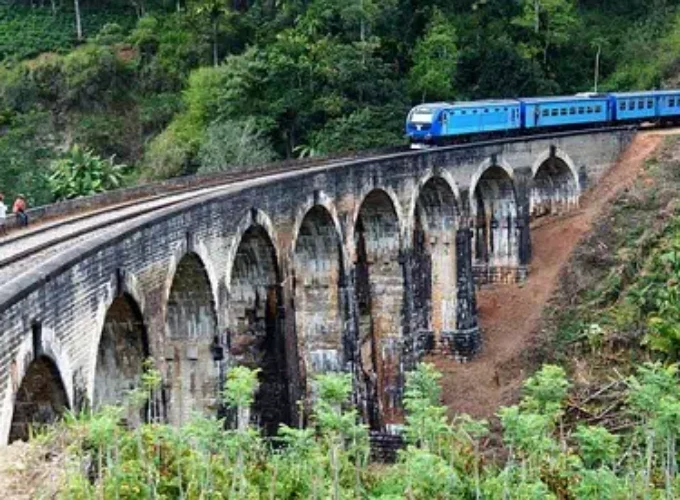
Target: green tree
{"type": "Point", "coordinates": [25, 153]}
{"type": "Point", "coordinates": [552, 23]}
{"type": "Point", "coordinates": [217, 13]}
{"type": "Point", "coordinates": [232, 145]}
{"type": "Point", "coordinates": [435, 59]}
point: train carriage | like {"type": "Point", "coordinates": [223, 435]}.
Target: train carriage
{"type": "Point", "coordinates": [479, 117]}
{"type": "Point", "coordinates": [668, 104]}
{"type": "Point", "coordinates": [634, 106]}
{"type": "Point", "coordinates": [544, 112]}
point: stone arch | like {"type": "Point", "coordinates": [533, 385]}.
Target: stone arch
{"type": "Point", "coordinates": [41, 398]}
{"type": "Point", "coordinates": [379, 293]}
{"type": "Point", "coordinates": [555, 152]}
{"type": "Point", "coordinates": [390, 195]}
{"type": "Point", "coordinates": [443, 176]}
{"type": "Point", "coordinates": [123, 346]}
{"type": "Point", "coordinates": [194, 247]}
{"type": "Point", "coordinates": [254, 217]}
{"type": "Point", "coordinates": [434, 271]}
{"type": "Point", "coordinates": [321, 200]}
{"type": "Point", "coordinates": [191, 332]}
{"type": "Point", "coordinates": [318, 273]}
{"type": "Point", "coordinates": [256, 329]}
{"type": "Point", "coordinates": [555, 188]}
{"type": "Point", "coordinates": [495, 240]}
{"type": "Point", "coordinates": [499, 163]}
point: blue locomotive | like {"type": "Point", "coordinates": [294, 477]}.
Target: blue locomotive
{"type": "Point", "coordinates": [449, 123]}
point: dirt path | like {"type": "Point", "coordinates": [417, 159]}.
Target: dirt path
{"type": "Point", "coordinates": [510, 314]}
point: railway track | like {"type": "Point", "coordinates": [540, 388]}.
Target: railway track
{"type": "Point", "coordinates": [21, 250]}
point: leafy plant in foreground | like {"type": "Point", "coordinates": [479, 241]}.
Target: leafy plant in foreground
{"type": "Point", "coordinates": [329, 459]}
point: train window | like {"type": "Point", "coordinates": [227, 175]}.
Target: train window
{"type": "Point", "coordinates": [622, 106]}
{"type": "Point", "coordinates": [671, 102]}
{"type": "Point", "coordinates": [650, 103]}
{"type": "Point", "coordinates": [631, 105]}
{"type": "Point", "coordinates": [497, 110]}
{"type": "Point", "coordinates": [486, 110]}
{"type": "Point", "coordinates": [563, 111]}
{"type": "Point", "coordinates": [572, 111]}
{"type": "Point", "coordinates": [590, 109]}
{"type": "Point", "coordinates": [641, 104]}
{"type": "Point", "coordinates": [598, 109]}
{"type": "Point", "coordinates": [546, 112]}
{"type": "Point", "coordinates": [463, 112]}
{"type": "Point", "coordinates": [554, 112]}
{"type": "Point", "coordinates": [581, 110]}
{"type": "Point", "coordinates": [475, 111]}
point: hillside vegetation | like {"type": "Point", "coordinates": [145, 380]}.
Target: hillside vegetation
{"type": "Point", "coordinates": [95, 457]}
{"type": "Point", "coordinates": [173, 87]}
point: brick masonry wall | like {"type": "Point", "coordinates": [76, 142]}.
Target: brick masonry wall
{"type": "Point", "coordinates": [69, 296]}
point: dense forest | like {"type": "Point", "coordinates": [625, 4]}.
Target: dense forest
{"type": "Point", "coordinates": [96, 93]}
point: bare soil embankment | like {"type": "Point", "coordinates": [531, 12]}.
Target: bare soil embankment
{"type": "Point", "coordinates": [510, 315]}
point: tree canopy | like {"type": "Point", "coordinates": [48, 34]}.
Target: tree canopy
{"type": "Point", "coordinates": [157, 82]}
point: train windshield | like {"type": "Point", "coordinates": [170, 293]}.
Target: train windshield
{"type": "Point", "coordinates": [421, 115]}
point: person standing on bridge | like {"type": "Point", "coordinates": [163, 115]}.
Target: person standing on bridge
{"type": "Point", "coordinates": [19, 209]}
{"type": "Point", "coordinates": [3, 215]}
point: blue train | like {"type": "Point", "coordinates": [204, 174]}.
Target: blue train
{"type": "Point", "coordinates": [449, 123]}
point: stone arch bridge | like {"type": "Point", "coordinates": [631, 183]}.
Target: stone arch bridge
{"type": "Point", "coordinates": [357, 267]}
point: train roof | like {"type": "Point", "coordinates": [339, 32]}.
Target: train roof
{"type": "Point", "coordinates": [574, 98]}
{"type": "Point", "coordinates": [433, 105]}
{"type": "Point", "coordinates": [486, 102]}
{"type": "Point", "coordinates": [644, 93]}
{"type": "Point", "coordinates": [467, 104]}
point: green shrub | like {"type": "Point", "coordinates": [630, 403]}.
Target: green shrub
{"type": "Point", "coordinates": [233, 144]}
{"type": "Point", "coordinates": [80, 173]}
{"type": "Point", "coordinates": [169, 154]}
{"type": "Point", "coordinates": [329, 459]}
{"type": "Point", "coordinates": [95, 77]}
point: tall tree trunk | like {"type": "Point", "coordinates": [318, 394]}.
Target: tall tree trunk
{"type": "Point", "coordinates": [79, 25]}
{"type": "Point", "coordinates": [537, 9]}
{"type": "Point", "coordinates": [215, 55]}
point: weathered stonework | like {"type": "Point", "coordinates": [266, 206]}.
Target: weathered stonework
{"type": "Point", "coordinates": [358, 267]}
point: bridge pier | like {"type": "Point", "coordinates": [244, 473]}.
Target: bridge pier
{"type": "Point", "coordinates": [466, 340]}
{"type": "Point", "coordinates": [523, 182]}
